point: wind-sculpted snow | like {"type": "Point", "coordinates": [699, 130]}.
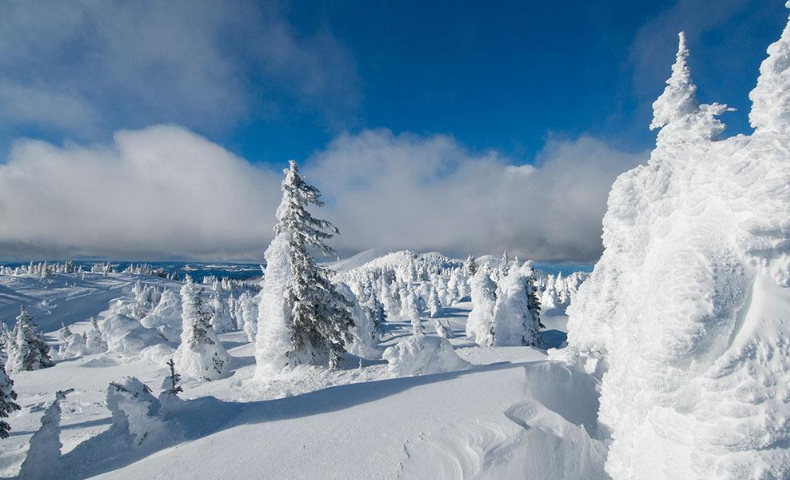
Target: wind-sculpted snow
{"type": "Point", "coordinates": [686, 315]}
{"type": "Point", "coordinates": [423, 355]}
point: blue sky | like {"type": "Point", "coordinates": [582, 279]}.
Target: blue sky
{"type": "Point", "coordinates": [495, 75]}
{"type": "Point", "coordinates": [472, 126]}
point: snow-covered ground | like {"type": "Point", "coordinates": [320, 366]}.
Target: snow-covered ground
{"type": "Point", "coordinates": [511, 411]}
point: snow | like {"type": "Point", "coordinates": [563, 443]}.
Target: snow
{"type": "Point", "coordinates": [685, 316]}
{"type": "Point", "coordinates": [423, 355]}
{"type": "Point", "coordinates": [354, 422]}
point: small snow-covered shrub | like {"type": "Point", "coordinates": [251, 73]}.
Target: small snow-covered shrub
{"type": "Point", "coordinates": [423, 355]}
{"type": "Point", "coordinates": [134, 409]}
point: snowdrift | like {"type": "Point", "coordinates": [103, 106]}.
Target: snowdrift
{"type": "Point", "coordinates": [685, 317]}
{"type": "Point", "coordinates": [423, 355]}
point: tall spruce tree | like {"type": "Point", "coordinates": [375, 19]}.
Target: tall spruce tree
{"type": "Point", "coordinates": [298, 300]}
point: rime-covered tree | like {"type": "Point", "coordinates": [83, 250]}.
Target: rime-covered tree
{"type": "Point", "coordinates": [43, 456]}
{"type": "Point", "coordinates": [303, 318]}
{"type": "Point", "coordinates": [517, 309]}
{"type": "Point", "coordinates": [27, 350]}
{"type": "Point", "coordinates": [480, 324]}
{"type": "Point", "coordinates": [434, 304]}
{"type": "Point", "coordinates": [200, 355]}
{"type": "Point", "coordinates": [94, 340]}
{"type": "Point", "coordinates": [532, 335]}
{"type": "Point", "coordinates": [678, 114]}
{"type": "Point", "coordinates": [247, 314]}
{"type": "Point", "coordinates": [7, 400]}
{"type": "Point", "coordinates": [470, 267]}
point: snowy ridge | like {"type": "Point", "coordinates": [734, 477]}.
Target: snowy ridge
{"type": "Point", "coordinates": [685, 316]}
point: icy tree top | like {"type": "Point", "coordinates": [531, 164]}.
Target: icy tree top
{"type": "Point", "coordinates": [677, 113]}
{"type": "Point", "coordinates": [771, 98]}
{"type": "Point", "coordinates": [679, 97]}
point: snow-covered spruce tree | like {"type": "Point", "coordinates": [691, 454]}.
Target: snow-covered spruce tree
{"type": "Point", "coordinates": [504, 266]}
{"type": "Point", "coordinates": [678, 114]}
{"type": "Point", "coordinates": [470, 267]}
{"type": "Point", "coordinates": [302, 317]}
{"type": "Point", "coordinates": [5, 342]}
{"type": "Point", "coordinates": [532, 336]}
{"type": "Point", "coordinates": [220, 317]}
{"type": "Point", "coordinates": [200, 354]}
{"type": "Point", "coordinates": [7, 400]}
{"type": "Point", "coordinates": [480, 324]}
{"type": "Point", "coordinates": [44, 455]}
{"type": "Point", "coordinates": [434, 304]}
{"type": "Point", "coordinates": [27, 349]}
{"type": "Point", "coordinates": [248, 313]}
{"type": "Point", "coordinates": [63, 335]}
{"type": "Point", "coordinates": [517, 310]}
{"type": "Point", "coordinates": [413, 313]}
{"type": "Point", "coordinates": [94, 340]}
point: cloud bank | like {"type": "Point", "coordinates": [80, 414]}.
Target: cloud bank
{"type": "Point", "coordinates": [166, 192]}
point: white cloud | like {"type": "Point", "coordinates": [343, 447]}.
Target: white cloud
{"type": "Point", "coordinates": [430, 193]}
{"type": "Point", "coordinates": [166, 192]}
{"type": "Point", "coordinates": [197, 63]}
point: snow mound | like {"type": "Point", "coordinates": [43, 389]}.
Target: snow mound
{"type": "Point", "coordinates": [686, 315]}
{"type": "Point", "coordinates": [127, 336]}
{"type": "Point", "coordinates": [423, 355]}
{"type": "Point", "coordinates": [166, 317]}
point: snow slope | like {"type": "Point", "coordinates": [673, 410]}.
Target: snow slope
{"type": "Point", "coordinates": [67, 298]}
{"type": "Point", "coordinates": [508, 413]}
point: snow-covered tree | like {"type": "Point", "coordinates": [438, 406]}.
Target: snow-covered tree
{"type": "Point", "coordinates": [27, 349]}
{"type": "Point", "coordinates": [8, 404]}
{"type": "Point", "coordinates": [470, 267]}
{"type": "Point", "coordinates": [517, 310]}
{"type": "Point", "coordinates": [771, 97]}
{"type": "Point", "coordinates": [233, 311]}
{"type": "Point", "coordinates": [220, 317]}
{"type": "Point", "coordinates": [63, 335]}
{"type": "Point", "coordinates": [134, 409]}
{"type": "Point", "coordinates": [43, 456]}
{"type": "Point", "coordinates": [677, 113]}
{"type": "Point", "coordinates": [200, 354]}
{"type": "Point", "coordinates": [442, 328]}
{"type": "Point", "coordinates": [248, 314]}
{"type": "Point", "coordinates": [94, 339]}
{"type": "Point", "coordinates": [480, 324]}
{"type": "Point", "coordinates": [413, 313]}
{"type": "Point", "coordinates": [434, 304]}
{"type": "Point", "coordinates": [302, 317]}
{"type": "Point", "coordinates": [504, 265]}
